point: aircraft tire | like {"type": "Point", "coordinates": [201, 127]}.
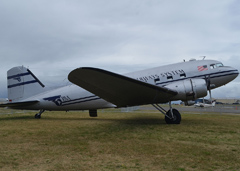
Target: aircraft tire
{"type": "Point", "coordinates": [37, 116]}
{"type": "Point", "coordinates": [176, 117]}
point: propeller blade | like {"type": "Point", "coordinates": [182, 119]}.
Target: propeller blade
{"type": "Point", "coordinates": [208, 83]}
{"type": "Point", "coordinates": [210, 94]}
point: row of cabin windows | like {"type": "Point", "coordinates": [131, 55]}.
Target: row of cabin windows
{"type": "Point", "coordinates": [183, 75]}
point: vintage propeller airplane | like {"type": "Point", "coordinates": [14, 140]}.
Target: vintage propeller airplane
{"type": "Point", "coordinates": [95, 88]}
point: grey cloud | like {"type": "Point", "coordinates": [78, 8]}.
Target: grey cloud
{"type": "Point", "coordinates": [58, 36]}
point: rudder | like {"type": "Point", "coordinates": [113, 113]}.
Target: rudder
{"type": "Point", "coordinates": [22, 83]}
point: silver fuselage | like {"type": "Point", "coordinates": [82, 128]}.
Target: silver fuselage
{"type": "Point", "coordinates": [73, 97]}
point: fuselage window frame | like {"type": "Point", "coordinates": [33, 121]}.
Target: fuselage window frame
{"type": "Point", "coordinates": [169, 77]}
{"type": "Point", "coordinates": [213, 66]}
{"type": "Point", "coordinates": [217, 65]}
{"type": "Point", "coordinates": [183, 75]}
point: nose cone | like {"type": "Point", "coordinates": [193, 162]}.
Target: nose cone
{"type": "Point", "coordinates": [235, 72]}
{"type": "Point", "coordinates": [232, 73]}
{"type": "Point", "coordinates": [226, 75]}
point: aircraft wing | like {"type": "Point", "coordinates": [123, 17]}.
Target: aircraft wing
{"type": "Point", "coordinates": [118, 89]}
{"type": "Point", "coordinates": [18, 104]}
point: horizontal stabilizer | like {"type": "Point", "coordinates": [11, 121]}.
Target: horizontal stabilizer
{"type": "Point", "coordinates": [118, 89]}
{"type": "Point", "coordinates": [19, 104]}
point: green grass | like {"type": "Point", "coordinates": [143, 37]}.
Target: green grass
{"type": "Point", "coordinates": [118, 141]}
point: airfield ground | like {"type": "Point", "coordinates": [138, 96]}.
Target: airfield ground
{"type": "Point", "coordinates": [115, 140]}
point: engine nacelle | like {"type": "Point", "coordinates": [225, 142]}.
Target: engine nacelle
{"type": "Point", "coordinates": [190, 89]}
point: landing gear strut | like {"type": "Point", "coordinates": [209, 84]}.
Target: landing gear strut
{"type": "Point", "coordinates": [172, 116]}
{"type": "Point", "coordinates": [38, 115]}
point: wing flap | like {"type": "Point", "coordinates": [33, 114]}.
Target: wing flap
{"type": "Point", "coordinates": [118, 89]}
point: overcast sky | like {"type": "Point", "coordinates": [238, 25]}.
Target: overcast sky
{"type": "Point", "coordinates": [53, 37]}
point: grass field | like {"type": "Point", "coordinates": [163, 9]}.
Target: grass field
{"type": "Point", "coordinates": [119, 141]}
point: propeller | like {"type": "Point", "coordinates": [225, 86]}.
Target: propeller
{"type": "Point", "coordinates": [210, 93]}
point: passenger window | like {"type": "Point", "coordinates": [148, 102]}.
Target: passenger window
{"type": "Point", "coordinates": [182, 75]}
{"type": "Point", "coordinates": [169, 77]}
{"type": "Point", "coordinates": [157, 80]}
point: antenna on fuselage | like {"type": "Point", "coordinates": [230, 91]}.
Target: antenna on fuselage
{"type": "Point", "coordinates": [203, 57]}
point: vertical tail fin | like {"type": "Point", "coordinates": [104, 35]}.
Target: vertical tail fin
{"type": "Point", "coordinates": [22, 83]}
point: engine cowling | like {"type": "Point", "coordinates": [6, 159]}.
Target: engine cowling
{"type": "Point", "coordinates": [190, 89]}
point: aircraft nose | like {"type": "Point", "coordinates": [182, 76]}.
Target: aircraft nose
{"type": "Point", "coordinates": [235, 72]}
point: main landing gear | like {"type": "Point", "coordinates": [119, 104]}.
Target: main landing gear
{"type": "Point", "coordinates": [38, 115]}
{"type": "Point", "coordinates": [172, 116]}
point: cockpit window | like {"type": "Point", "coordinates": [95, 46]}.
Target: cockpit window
{"type": "Point", "coordinates": [212, 66]}
{"type": "Point", "coordinates": [219, 65]}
